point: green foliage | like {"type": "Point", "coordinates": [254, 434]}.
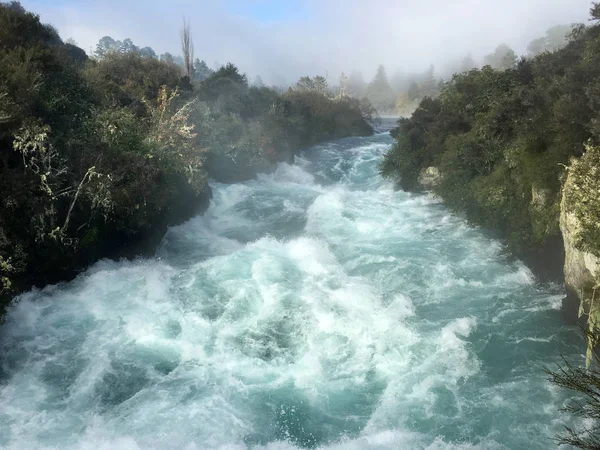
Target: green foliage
{"type": "Point", "coordinates": [414, 88]}
{"type": "Point", "coordinates": [6, 268]}
{"type": "Point", "coordinates": [129, 80]}
{"type": "Point", "coordinates": [106, 152]}
{"type": "Point", "coordinates": [503, 58]}
{"type": "Point", "coordinates": [584, 196]}
{"type": "Point", "coordinates": [317, 84]}
{"type": "Point", "coordinates": [321, 84]}
{"type": "Point", "coordinates": [501, 139]}
{"type": "Point", "coordinates": [595, 11]}
{"type": "Point", "coordinates": [401, 161]}
{"type": "Point", "coordinates": [380, 93]}
{"type": "Point", "coordinates": [107, 45]}
{"type": "Point", "coordinates": [83, 152]}
{"type": "Point", "coordinates": [356, 85]}
{"type": "Point", "coordinates": [201, 70]}
{"type": "Point", "coordinates": [586, 384]}
{"type": "Point", "coordinates": [305, 84]}
{"type": "Point", "coordinates": [120, 128]}
{"type": "Point", "coordinates": [174, 139]}
{"type": "Point", "coordinates": [555, 39]}
{"type": "Point", "coordinates": [252, 127]}
{"type": "Point", "coordinates": [226, 90]}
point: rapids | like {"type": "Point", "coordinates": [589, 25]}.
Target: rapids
{"type": "Point", "coordinates": [313, 307]}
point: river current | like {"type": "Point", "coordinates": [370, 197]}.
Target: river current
{"type": "Point", "coordinates": [313, 307]}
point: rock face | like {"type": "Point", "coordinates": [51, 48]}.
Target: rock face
{"type": "Point", "coordinates": [539, 198]}
{"type": "Point", "coordinates": [430, 177]}
{"type": "Point", "coordinates": [582, 269]}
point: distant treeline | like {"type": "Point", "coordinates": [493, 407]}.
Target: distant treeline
{"type": "Point", "coordinates": [401, 92]}
{"type": "Point", "coordinates": [100, 154]}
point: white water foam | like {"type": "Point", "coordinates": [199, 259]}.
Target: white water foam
{"type": "Point", "coordinates": [313, 307]}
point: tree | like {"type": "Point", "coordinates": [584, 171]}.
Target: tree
{"type": "Point", "coordinates": [128, 46]}
{"type": "Point", "coordinates": [227, 86]}
{"type": "Point", "coordinates": [16, 6]}
{"type": "Point", "coordinates": [440, 86]}
{"type": "Point", "coordinates": [509, 60]}
{"type": "Point", "coordinates": [356, 84]}
{"type": "Point", "coordinates": [178, 59]}
{"type": "Point", "coordinates": [167, 57]}
{"type": "Point", "coordinates": [380, 93]}
{"type": "Point", "coordinates": [105, 45]}
{"type": "Point", "coordinates": [595, 11]}
{"type": "Point", "coordinates": [399, 81]}
{"type": "Point", "coordinates": [558, 36]}
{"type": "Point", "coordinates": [555, 39]}
{"type": "Point", "coordinates": [305, 84]}
{"type": "Point", "coordinates": [343, 85]}
{"type": "Point", "coordinates": [503, 58]}
{"type": "Point", "coordinates": [131, 80]}
{"type": "Point", "coordinates": [187, 48]}
{"type": "Point", "coordinates": [429, 83]}
{"type": "Point", "coordinates": [380, 79]}
{"type": "Point", "coordinates": [258, 82]}
{"type": "Point", "coordinates": [147, 52]}
{"type": "Point", "coordinates": [537, 46]}
{"type": "Point", "coordinates": [414, 92]}
{"type": "Point", "coordinates": [320, 84]}
{"type": "Point", "coordinates": [201, 70]}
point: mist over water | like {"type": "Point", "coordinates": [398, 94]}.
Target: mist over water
{"type": "Point", "coordinates": [314, 307]}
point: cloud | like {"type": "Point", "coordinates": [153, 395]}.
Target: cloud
{"type": "Point", "coordinates": [284, 40]}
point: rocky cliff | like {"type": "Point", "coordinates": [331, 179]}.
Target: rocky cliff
{"type": "Point", "coordinates": [580, 225]}
{"type": "Point", "coordinates": [582, 266]}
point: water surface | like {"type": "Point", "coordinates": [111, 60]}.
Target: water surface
{"type": "Point", "coordinates": [314, 307]}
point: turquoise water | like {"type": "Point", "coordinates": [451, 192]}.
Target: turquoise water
{"type": "Point", "coordinates": [314, 307]}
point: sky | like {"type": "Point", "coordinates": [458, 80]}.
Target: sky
{"type": "Point", "coordinates": [283, 40]}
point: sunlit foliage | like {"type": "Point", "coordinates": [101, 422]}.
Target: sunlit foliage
{"type": "Point", "coordinates": [501, 138]}
{"type": "Point", "coordinates": [103, 153]}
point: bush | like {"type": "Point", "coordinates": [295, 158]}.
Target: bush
{"type": "Point", "coordinates": [131, 80]}
{"type": "Point", "coordinates": [106, 153]}
{"type": "Point", "coordinates": [584, 195]}
{"type": "Point", "coordinates": [501, 139]}
{"type": "Point", "coordinates": [84, 152]}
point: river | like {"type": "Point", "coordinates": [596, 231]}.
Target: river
{"type": "Point", "coordinates": [313, 307]}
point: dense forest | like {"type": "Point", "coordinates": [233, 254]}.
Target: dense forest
{"type": "Point", "coordinates": [501, 140]}
{"type": "Point", "coordinates": [100, 154]}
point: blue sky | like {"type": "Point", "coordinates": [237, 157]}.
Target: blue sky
{"type": "Point", "coordinates": [269, 10]}
{"type": "Point", "coordinates": [284, 39]}
{"type": "Point", "coordinates": [260, 10]}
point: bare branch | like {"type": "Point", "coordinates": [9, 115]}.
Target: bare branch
{"type": "Point", "coordinates": [91, 171]}
{"type": "Point", "coordinates": [187, 47]}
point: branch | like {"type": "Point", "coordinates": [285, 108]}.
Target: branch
{"type": "Point", "coordinates": [88, 174]}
